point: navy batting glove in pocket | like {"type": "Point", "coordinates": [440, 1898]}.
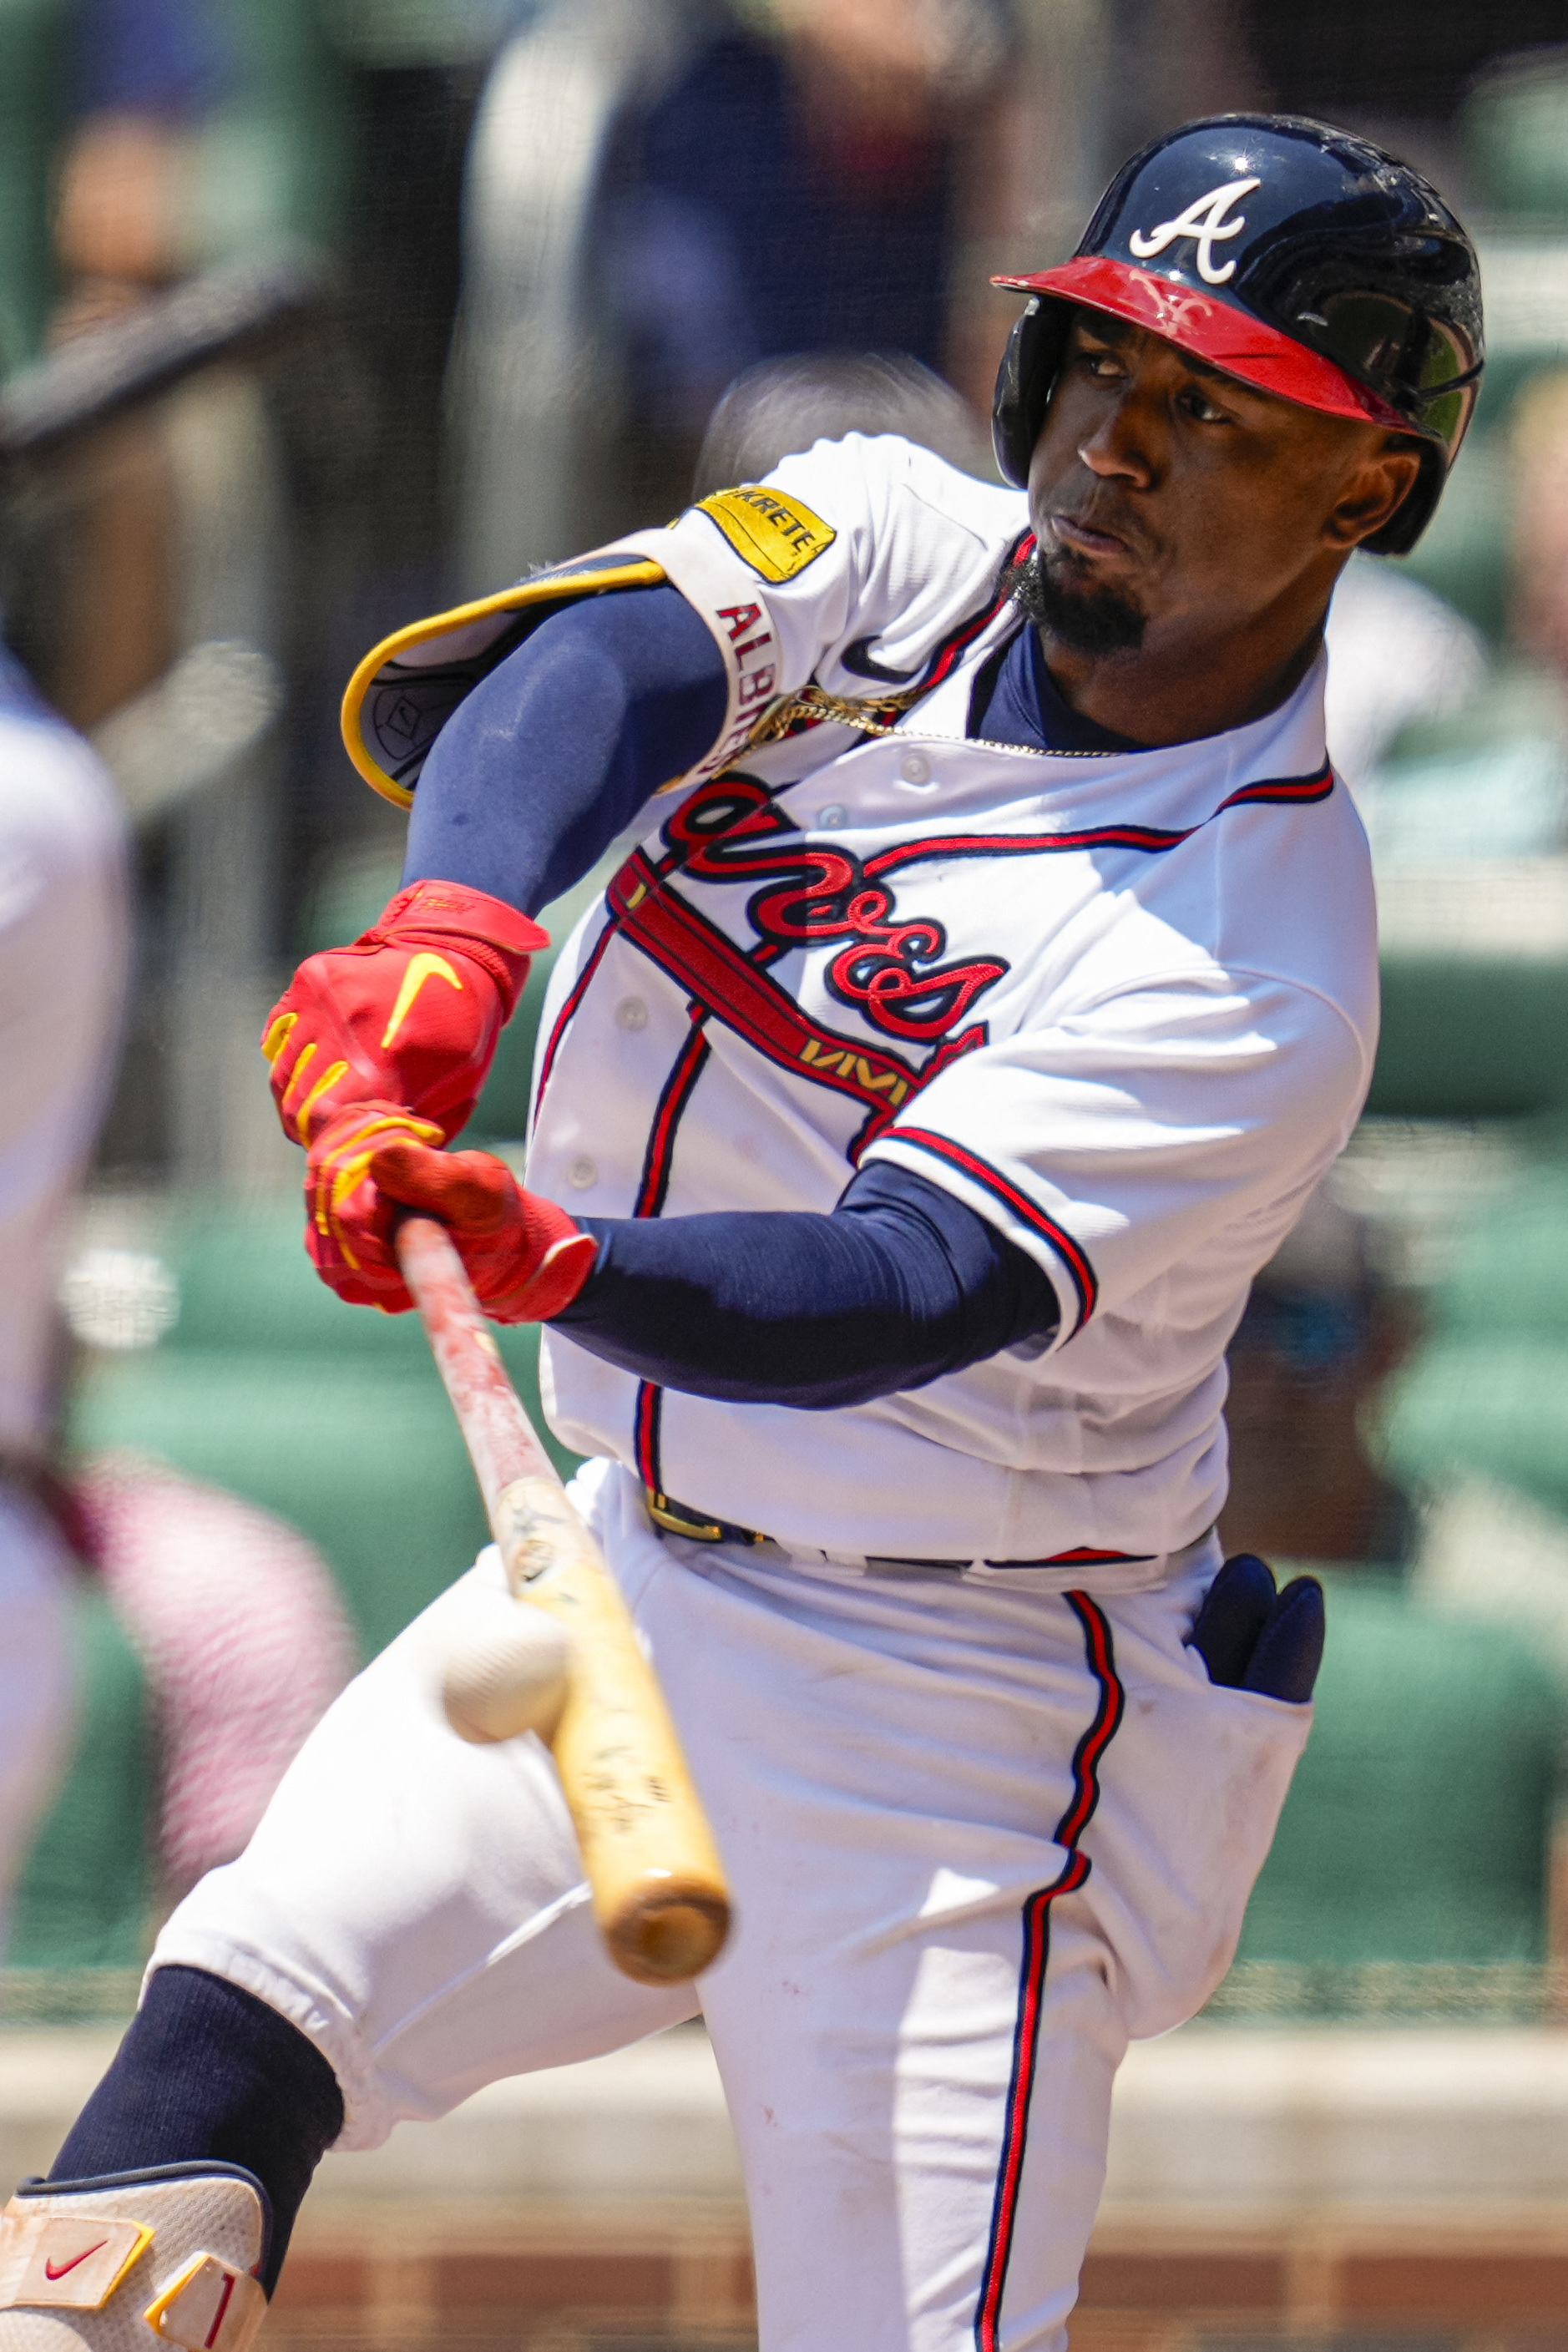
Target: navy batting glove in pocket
{"type": "Point", "coordinates": [1252, 1638]}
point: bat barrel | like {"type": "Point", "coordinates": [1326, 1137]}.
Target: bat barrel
{"type": "Point", "coordinates": [657, 1883]}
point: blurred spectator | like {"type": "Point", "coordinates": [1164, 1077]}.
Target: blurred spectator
{"type": "Point", "coordinates": [146, 70]}
{"type": "Point", "coordinates": [96, 215]}
{"type": "Point", "coordinates": [63, 953]}
{"type": "Point", "coordinates": [1320, 1334]}
{"type": "Point", "coordinates": [93, 97]}
{"type": "Point", "coordinates": [793, 190]}
{"type": "Point", "coordinates": [660, 197]}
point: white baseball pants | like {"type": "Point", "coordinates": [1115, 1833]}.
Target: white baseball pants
{"type": "Point", "coordinates": [38, 1680]}
{"type": "Point", "coordinates": [976, 1841]}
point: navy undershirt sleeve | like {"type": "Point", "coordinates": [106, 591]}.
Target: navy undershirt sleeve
{"type": "Point", "coordinates": [553, 754]}
{"type": "Point", "coordinates": [899, 1285]}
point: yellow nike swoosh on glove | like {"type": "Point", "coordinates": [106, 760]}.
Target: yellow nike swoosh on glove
{"type": "Point", "coordinates": [421, 967]}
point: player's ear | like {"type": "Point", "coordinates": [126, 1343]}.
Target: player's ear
{"type": "Point", "coordinates": [1376, 489]}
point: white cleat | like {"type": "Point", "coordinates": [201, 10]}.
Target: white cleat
{"type": "Point", "coordinates": [166, 2259]}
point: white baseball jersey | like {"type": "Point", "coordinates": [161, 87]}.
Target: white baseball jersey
{"type": "Point", "coordinates": [1123, 1004]}
{"type": "Point", "coordinates": [64, 949]}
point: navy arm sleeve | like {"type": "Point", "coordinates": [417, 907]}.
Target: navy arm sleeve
{"type": "Point", "coordinates": [551, 756]}
{"type": "Point", "coordinates": [899, 1285]}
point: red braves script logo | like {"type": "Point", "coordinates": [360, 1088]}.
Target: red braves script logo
{"type": "Point", "coordinates": [890, 971]}
{"type": "Point", "coordinates": [58, 2270]}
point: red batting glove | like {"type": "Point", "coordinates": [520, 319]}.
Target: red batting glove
{"type": "Point", "coordinates": [525, 1257]}
{"type": "Point", "coordinates": [407, 1017]}
{"type": "Point", "coordinates": [348, 1224]}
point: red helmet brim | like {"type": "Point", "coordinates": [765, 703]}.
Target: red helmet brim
{"type": "Point", "coordinates": [1223, 333]}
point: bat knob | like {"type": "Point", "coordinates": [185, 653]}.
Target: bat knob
{"type": "Point", "coordinates": [507, 1673]}
{"type": "Point", "coordinates": [670, 1932]}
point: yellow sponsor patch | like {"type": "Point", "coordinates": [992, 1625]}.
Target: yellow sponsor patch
{"type": "Point", "coordinates": [777, 537]}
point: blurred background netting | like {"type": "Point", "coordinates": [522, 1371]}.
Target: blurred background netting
{"type": "Point", "coordinates": [545, 239]}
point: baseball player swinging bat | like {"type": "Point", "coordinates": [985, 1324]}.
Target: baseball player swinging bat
{"type": "Point", "coordinates": [912, 1112]}
{"type": "Point", "coordinates": [659, 1886]}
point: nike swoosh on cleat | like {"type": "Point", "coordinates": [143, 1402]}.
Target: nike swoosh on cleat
{"type": "Point", "coordinates": [51, 2273]}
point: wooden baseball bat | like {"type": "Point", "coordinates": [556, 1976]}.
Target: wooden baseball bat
{"type": "Point", "coordinates": [657, 1883]}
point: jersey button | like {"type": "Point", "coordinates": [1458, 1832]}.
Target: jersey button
{"type": "Point", "coordinates": [631, 1013]}
{"type": "Point", "coordinates": [915, 767]}
{"type": "Point", "coordinates": [581, 1174]}
{"type": "Point", "coordinates": [831, 817]}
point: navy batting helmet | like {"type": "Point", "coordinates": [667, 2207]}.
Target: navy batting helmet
{"type": "Point", "coordinates": [1296, 257]}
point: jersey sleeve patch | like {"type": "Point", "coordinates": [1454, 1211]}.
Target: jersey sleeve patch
{"type": "Point", "coordinates": [777, 537]}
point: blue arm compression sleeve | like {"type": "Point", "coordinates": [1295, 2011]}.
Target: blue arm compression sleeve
{"type": "Point", "coordinates": [899, 1285]}
{"type": "Point", "coordinates": [553, 754]}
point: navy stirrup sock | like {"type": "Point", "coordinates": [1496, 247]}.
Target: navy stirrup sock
{"type": "Point", "coordinates": [208, 2073]}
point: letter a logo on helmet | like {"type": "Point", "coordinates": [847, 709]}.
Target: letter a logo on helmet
{"type": "Point", "coordinates": [1316, 267]}
{"type": "Point", "coordinates": [1204, 220]}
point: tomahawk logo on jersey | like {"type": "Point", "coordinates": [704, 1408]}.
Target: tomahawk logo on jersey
{"type": "Point", "coordinates": [1092, 995]}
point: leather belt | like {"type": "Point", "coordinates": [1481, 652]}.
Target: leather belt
{"type": "Point", "coordinates": [673, 1518]}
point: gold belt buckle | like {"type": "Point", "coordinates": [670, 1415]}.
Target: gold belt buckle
{"type": "Point", "coordinates": [675, 1519]}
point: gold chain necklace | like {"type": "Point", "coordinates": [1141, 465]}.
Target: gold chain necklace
{"type": "Point", "coordinates": [816, 702]}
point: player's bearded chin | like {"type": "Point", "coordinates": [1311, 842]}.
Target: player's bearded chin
{"type": "Point", "coordinates": [1056, 594]}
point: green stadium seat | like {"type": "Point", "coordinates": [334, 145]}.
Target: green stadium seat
{"type": "Point", "coordinates": [1481, 1030]}
{"type": "Point", "coordinates": [1487, 1392]}
{"type": "Point", "coordinates": [1472, 1037]}
{"type": "Point", "coordinates": [1416, 1829]}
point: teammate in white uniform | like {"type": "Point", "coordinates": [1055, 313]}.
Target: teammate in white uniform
{"type": "Point", "coordinates": [63, 954]}
{"type": "Point", "coordinates": [963, 1028]}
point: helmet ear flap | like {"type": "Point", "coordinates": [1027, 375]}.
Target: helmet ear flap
{"type": "Point", "coordinates": [1415, 509]}
{"type": "Point", "coordinates": [1024, 381]}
